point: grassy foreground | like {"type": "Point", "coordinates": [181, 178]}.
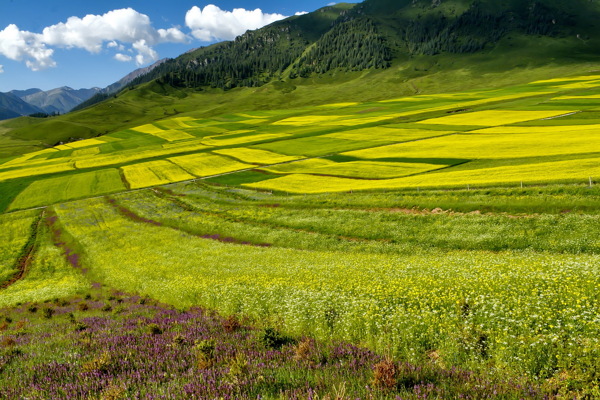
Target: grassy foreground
{"type": "Point", "coordinates": [112, 345]}
{"type": "Point", "coordinates": [510, 296]}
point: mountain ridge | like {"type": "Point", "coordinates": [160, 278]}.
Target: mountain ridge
{"type": "Point", "coordinates": [59, 100]}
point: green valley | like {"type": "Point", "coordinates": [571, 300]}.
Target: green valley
{"type": "Point", "coordinates": [413, 218]}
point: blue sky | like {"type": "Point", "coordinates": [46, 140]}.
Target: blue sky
{"type": "Point", "coordinates": [52, 43]}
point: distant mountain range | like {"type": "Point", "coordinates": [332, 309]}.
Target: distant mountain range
{"type": "Point", "coordinates": [61, 100]}
{"type": "Point", "coordinates": [11, 106]}
{"type": "Point", "coordinates": [33, 101]}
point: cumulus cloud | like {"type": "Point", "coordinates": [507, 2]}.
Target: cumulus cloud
{"type": "Point", "coordinates": [1, 69]}
{"type": "Point", "coordinates": [115, 45]}
{"type": "Point", "coordinates": [301, 13]}
{"type": "Point", "coordinates": [212, 23]}
{"type": "Point", "coordinates": [122, 57]}
{"type": "Point", "coordinates": [19, 45]}
{"type": "Point", "coordinates": [116, 28]}
{"type": "Point", "coordinates": [145, 54]}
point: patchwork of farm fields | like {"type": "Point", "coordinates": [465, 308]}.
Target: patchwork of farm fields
{"type": "Point", "coordinates": [449, 231]}
{"type": "Point", "coordinates": [527, 134]}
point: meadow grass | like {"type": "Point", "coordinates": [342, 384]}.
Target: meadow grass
{"type": "Point", "coordinates": [154, 173]}
{"type": "Point", "coordinates": [49, 275]}
{"type": "Point", "coordinates": [363, 228]}
{"type": "Point", "coordinates": [15, 233]}
{"type": "Point", "coordinates": [206, 164]}
{"type": "Point", "coordinates": [502, 280]}
{"type": "Point", "coordinates": [102, 341]}
{"type": "Point", "coordinates": [55, 190]}
{"type": "Point", "coordinates": [521, 310]}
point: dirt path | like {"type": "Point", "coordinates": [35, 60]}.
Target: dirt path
{"type": "Point", "coordinates": [27, 254]}
{"type": "Point", "coordinates": [59, 241]}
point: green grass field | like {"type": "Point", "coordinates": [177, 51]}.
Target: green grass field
{"type": "Point", "coordinates": [478, 289]}
{"type": "Point", "coordinates": [458, 229]}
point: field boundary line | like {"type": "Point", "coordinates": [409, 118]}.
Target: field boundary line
{"type": "Point", "coordinates": [27, 253]}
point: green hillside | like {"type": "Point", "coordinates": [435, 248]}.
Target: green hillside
{"type": "Point", "coordinates": [452, 231]}
{"type": "Point", "coordinates": [370, 51]}
{"type": "Point", "coordinates": [416, 178]}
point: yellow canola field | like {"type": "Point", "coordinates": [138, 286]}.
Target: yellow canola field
{"type": "Point", "coordinates": [385, 134]}
{"type": "Point", "coordinates": [206, 164]}
{"type": "Point", "coordinates": [154, 173]}
{"type": "Point", "coordinates": [542, 130]}
{"type": "Point", "coordinates": [84, 143]}
{"type": "Point", "coordinates": [506, 142]}
{"type": "Point", "coordinates": [26, 157]}
{"type": "Point", "coordinates": [148, 128]}
{"type": "Point", "coordinates": [494, 117]}
{"type": "Point", "coordinates": [173, 135]}
{"type": "Point", "coordinates": [300, 166]}
{"type": "Point", "coordinates": [124, 157]}
{"type": "Point", "coordinates": [582, 97]}
{"type": "Point", "coordinates": [572, 79]}
{"type": "Point", "coordinates": [49, 168]}
{"type": "Point", "coordinates": [90, 151]}
{"type": "Point", "coordinates": [359, 121]}
{"type": "Point", "coordinates": [332, 120]}
{"type": "Point", "coordinates": [178, 123]}
{"type": "Point", "coordinates": [356, 169]}
{"type": "Point", "coordinates": [215, 141]}
{"type": "Point", "coordinates": [571, 170]}
{"type": "Point", "coordinates": [309, 120]}
{"type": "Point", "coordinates": [580, 85]}
{"type": "Point", "coordinates": [256, 156]}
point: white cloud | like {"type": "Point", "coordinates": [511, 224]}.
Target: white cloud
{"type": "Point", "coordinates": [122, 57]}
{"type": "Point", "coordinates": [1, 69]}
{"type": "Point", "coordinates": [301, 13]}
{"type": "Point", "coordinates": [21, 45]}
{"type": "Point", "coordinates": [173, 35]}
{"type": "Point", "coordinates": [117, 27]}
{"type": "Point", "coordinates": [212, 23]}
{"type": "Point", "coordinates": [145, 54]}
{"type": "Point", "coordinates": [115, 45]}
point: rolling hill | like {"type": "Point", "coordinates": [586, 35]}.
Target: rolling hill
{"type": "Point", "coordinates": [430, 193]}
{"type": "Point", "coordinates": [374, 50]}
